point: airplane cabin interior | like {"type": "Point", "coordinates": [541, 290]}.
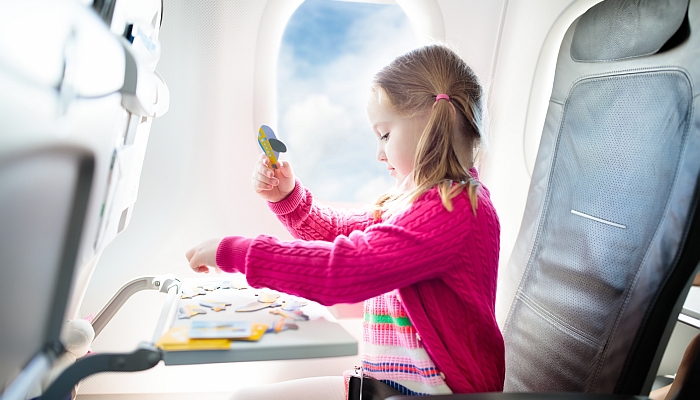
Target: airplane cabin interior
{"type": "Point", "coordinates": [129, 130]}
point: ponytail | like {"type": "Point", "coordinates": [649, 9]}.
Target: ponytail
{"type": "Point", "coordinates": [436, 160]}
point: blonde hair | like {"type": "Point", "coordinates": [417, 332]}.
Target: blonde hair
{"type": "Point", "coordinates": [410, 85]}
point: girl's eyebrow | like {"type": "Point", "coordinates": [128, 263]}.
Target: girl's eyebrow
{"type": "Point", "coordinates": [375, 129]}
{"type": "Point", "coordinates": [376, 126]}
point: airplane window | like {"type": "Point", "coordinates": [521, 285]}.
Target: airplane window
{"type": "Point", "coordinates": [329, 53]}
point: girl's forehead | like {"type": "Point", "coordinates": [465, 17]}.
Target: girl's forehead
{"type": "Point", "coordinates": [380, 108]}
{"type": "Point", "coordinates": [377, 96]}
{"type": "Point", "coordinates": [378, 101]}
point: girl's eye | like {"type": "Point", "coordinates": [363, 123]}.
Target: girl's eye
{"type": "Point", "coordinates": [384, 137]}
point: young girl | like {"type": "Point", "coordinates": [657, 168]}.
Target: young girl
{"type": "Point", "coordinates": [425, 261]}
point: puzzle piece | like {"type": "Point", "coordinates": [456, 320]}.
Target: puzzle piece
{"type": "Point", "coordinates": [270, 144]}
{"type": "Point", "coordinates": [255, 306]}
{"type": "Point", "coordinates": [281, 325]}
{"type": "Point", "coordinates": [291, 305]}
{"type": "Point", "coordinates": [296, 315]}
{"type": "Point", "coordinates": [215, 304]}
{"type": "Point", "coordinates": [193, 292]}
{"type": "Point", "coordinates": [209, 287]}
{"type": "Point", "coordinates": [267, 297]}
{"type": "Point", "coordinates": [239, 286]}
{"type": "Point", "coordinates": [235, 285]}
{"type": "Point", "coordinates": [301, 315]}
{"type": "Point", "coordinates": [188, 311]}
{"type": "Point", "coordinates": [292, 326]}
{"type": "Point", "coordinates": [225, 285]}
{"type": "Point", "coordinates": [276, 326]}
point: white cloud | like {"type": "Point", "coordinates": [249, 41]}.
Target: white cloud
{"type": "Point", "coordinates": [313, 125]}
{"type": "Point", "coordinates": [322, 113]}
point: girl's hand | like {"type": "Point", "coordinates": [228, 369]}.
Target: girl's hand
{"type": "Point", "coordinates": [203, 257]}
{"type": "Point", "coordinates": [272, 185]}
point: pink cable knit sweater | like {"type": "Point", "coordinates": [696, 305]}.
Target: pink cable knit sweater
{"type": "Point", "coordinates": [443, 263]}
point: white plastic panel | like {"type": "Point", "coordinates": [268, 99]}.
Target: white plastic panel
{"type": "Point", "coordinates": [72, 50]}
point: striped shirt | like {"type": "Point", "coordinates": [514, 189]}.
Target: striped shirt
{"type": "Point", "coordinates": [394, 353]}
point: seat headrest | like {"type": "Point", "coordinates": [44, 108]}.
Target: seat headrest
{"type": "Point", "coordinates": [621, 29]}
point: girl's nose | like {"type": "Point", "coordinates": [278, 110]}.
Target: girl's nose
{"type": "Point", "coordinates": [381, 155]}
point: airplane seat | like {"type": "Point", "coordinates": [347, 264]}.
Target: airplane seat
{"type": "Point", "coordinates": [610, 203]}
{"type": "Point", "coordinates": [39, 243]}
{"type": "Point", "coordinates": [608, 242]}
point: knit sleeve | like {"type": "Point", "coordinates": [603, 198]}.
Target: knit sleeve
{"type": "Point", "coordinates": [305, 219]}
{"type": "Point", "coordinates": [411, 247]}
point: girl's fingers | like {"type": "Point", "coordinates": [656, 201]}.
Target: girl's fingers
{"type": "Point", "coordinates": [263, 170]}
{"type": "Point", "coordinates": [260, 185]}
{"type": "Point", "coordinates": [265, 161]}
{"type": "Point", "coordinates": [265, 179]}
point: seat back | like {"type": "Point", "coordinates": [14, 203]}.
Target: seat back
{"type": "Point", "coordinates": [610, 233]}
{"type": "Point", "coordinates": [43, 197]}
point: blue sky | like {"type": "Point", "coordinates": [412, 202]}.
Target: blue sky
{"type": "Point", "coordinates": [320, 30]}
{"type": "Point", "coordinates": [330, 51]}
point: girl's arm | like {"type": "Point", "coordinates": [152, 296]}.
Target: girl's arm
{"type": "Point", "coordinates": [295, 207]}
{"type": "Point", "coordinates": [305, 219]}
{"type": "Point", "coordinates": [411, 247]}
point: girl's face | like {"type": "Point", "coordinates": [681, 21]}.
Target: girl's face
{"type": "Point", "coordinates": [397, 136]}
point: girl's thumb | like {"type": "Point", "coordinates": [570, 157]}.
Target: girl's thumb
{"type": "Point", "coordinates": [285, 168]}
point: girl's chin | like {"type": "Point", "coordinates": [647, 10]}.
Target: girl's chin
{"type": "Point", "coordinates": [403, 182]}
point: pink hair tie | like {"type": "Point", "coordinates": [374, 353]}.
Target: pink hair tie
{"type": "Point", "coordinates": [442, 96]}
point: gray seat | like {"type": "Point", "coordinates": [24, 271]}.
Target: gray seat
{"type": "Point", "coordinates": [44, 194]}
{"type": "Point", "coordinates": [609, 240]}
{"type": "Point", "coordinates": [43, 198]}
{"type": "Point", "coordinates": [610, 205]}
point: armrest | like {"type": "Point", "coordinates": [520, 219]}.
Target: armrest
{"type": "Point", "coordinates": [162, 283]}
{"type": "Point", "coordinates": [144, 357]}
